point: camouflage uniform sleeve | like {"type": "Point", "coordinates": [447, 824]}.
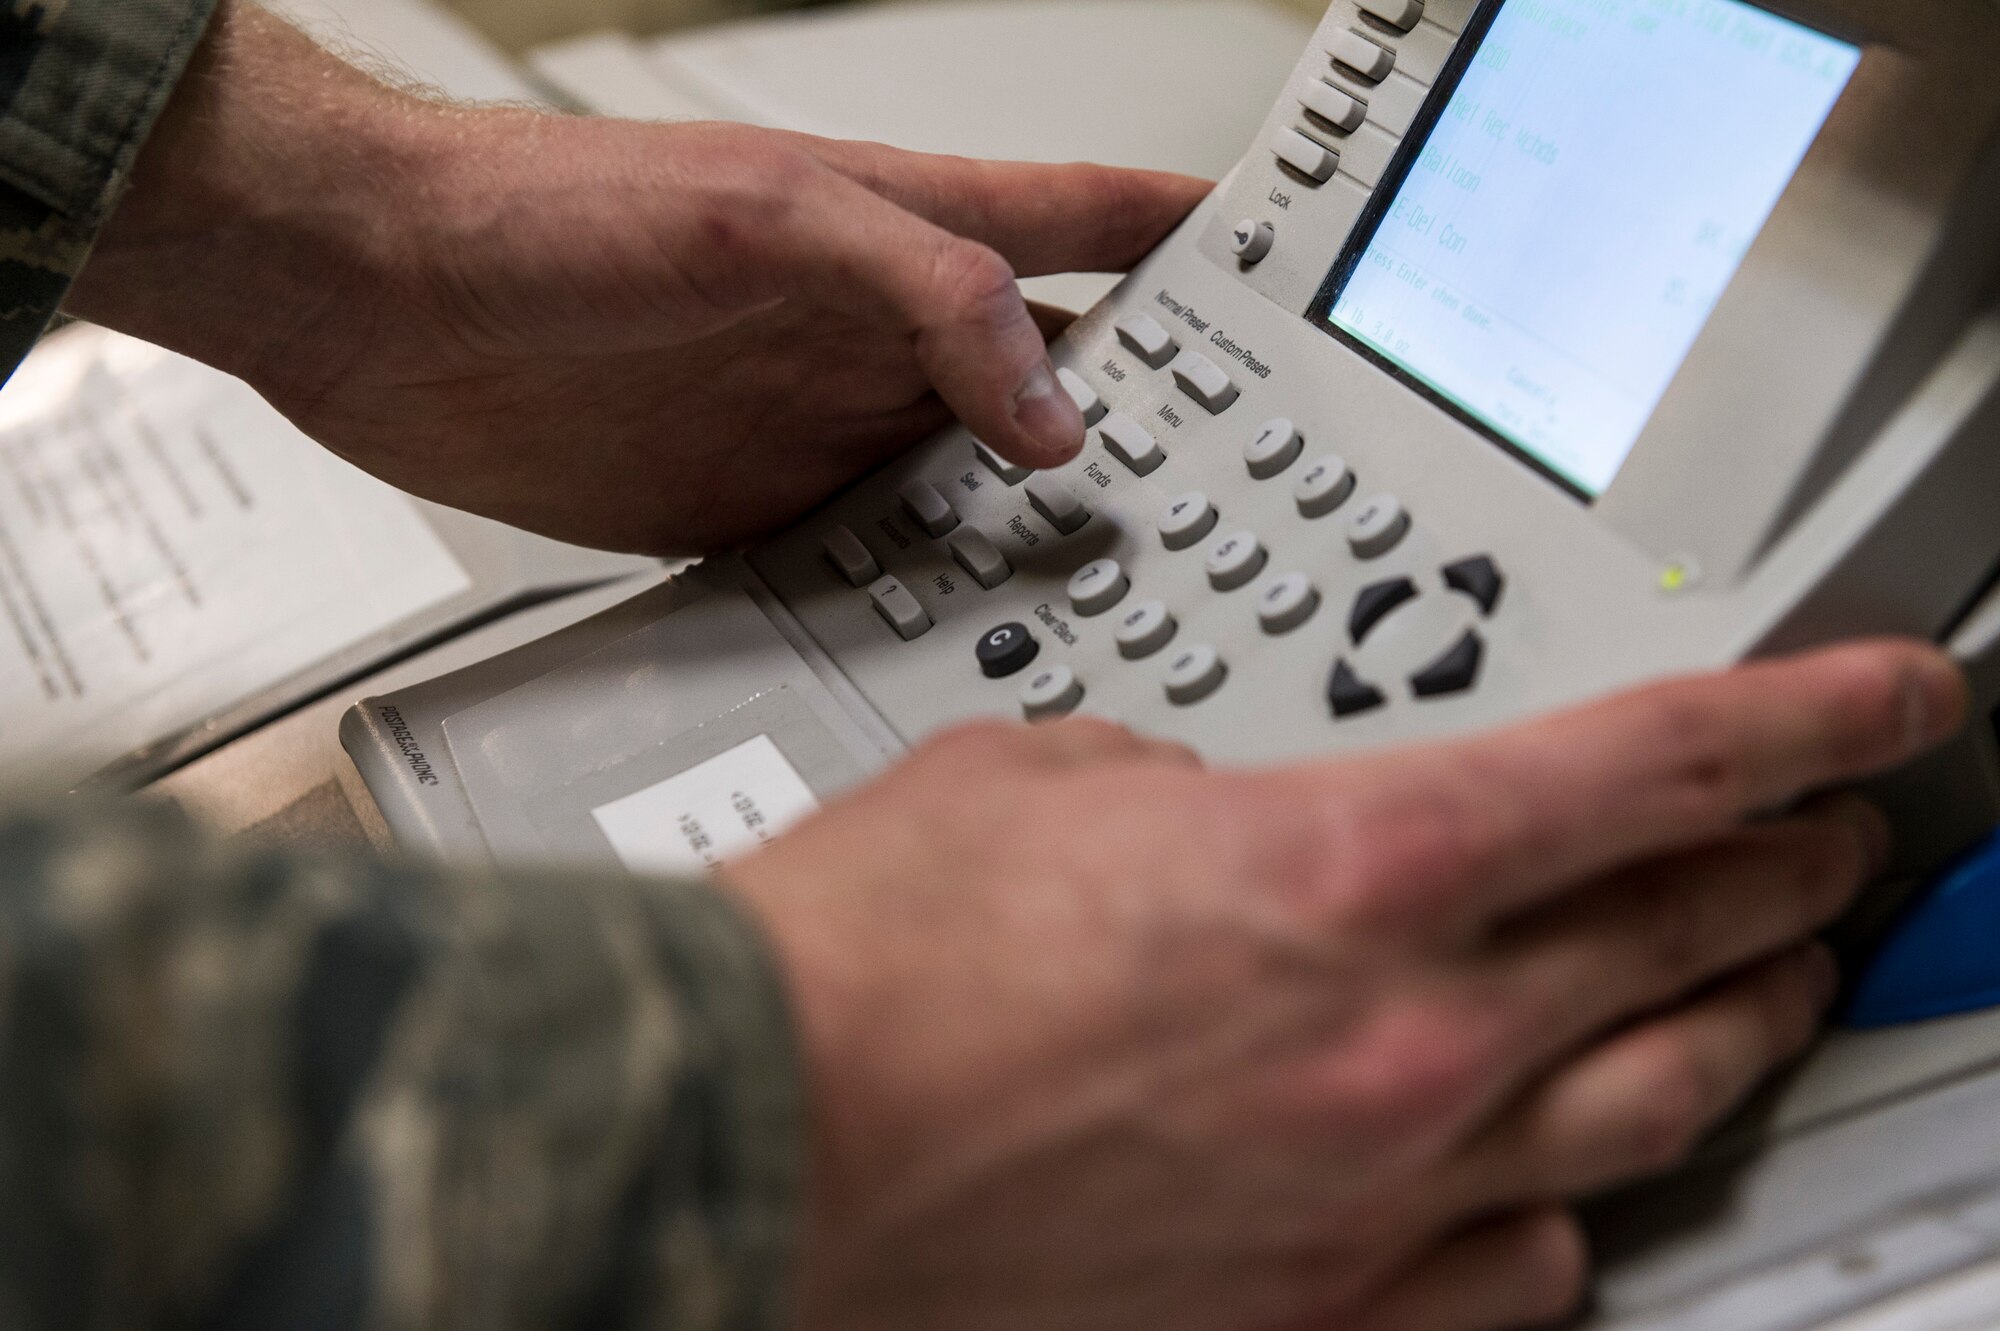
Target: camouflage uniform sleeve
{"type": "Point", "coordinates": [81, 83]}
{"type": "Point", "coordinates": [241, 1091]}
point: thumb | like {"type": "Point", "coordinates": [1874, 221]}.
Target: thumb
{"type": "Point", "coordinates": [840, 245]}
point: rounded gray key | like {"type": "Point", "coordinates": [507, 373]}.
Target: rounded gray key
{"type": "Point", "coordinates": [1098, 586]}
{"type": "Point", "coordinates": [1051, 691]}
{"type": "Point", "coordinates": [1377, 527]}
{"type": "Point", "coordinates": [1327, 484]}
{"type": "Point", "coordinates": [1276, 447]}
{"type": "Point", "coordinates": [1194, 673]}
{"type": "Point", "coordinates": [1144, 629]}
{"type": "Point", "coordinates": [1287, 603]}
{"type": "Point", "coordinates": [1234, 561]}
{"type": "Point", "coordinates": [1186, 520]}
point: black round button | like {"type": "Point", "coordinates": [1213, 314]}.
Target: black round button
{"type": "Point", "coordinates": [1007, 650]}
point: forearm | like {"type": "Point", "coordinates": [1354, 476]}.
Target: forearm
{"type": "Point", "coordinates": [269, 194]}
{"type": "Point", "coordinates": [258, 1089]}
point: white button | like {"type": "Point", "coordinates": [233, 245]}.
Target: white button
{"type": "Point", "coordinates": [978, 556]}
{"type": "Point", "coordinates": [1203, 380]}
{"type": "Point", "coordinates": [1315, 161]}
{"type": "Point", "coordinates": [1334, 106]}
{"type": "Point", "coordinates": [927, 508]}
{"type": "Point", "coordinates": [1145, 629]}
{"type": "Point", "coordinates": [1194, 673]}
{"type": "Point", "coordinates": [1276, 447]}
{"type": "Point", "coordinates": [1098, 586]}
{"type": "Point", "coordinates": [1055, 501]}
{"type": "Point", "coordinates": [846, 553]}
{"type": "Point", "coordinates": [1287, 603]}
{"type": "Point", "coordinates": [895, 604]}
{"type": "Point", "coordinates": [1131, 443]}
{"type": "Point", "coordinates": [1086, 398]}
{"type": "Point", "coordinates": [1396, 13]}
{"type": "Point", "coordinates": [1377, 527]}
{"type": "Point", "coordinates": [1325, 487]}
{"type": "Point", "coordinates": [1366, 58]}
{"type": "Point", "coordinates": [1252, 240]}
{"type": "Point", "coordinates": [1234, 561]}
{"type": "Point", "coordinates": [1144, 338]}
{"type": "Point", "coordinates": [1186, 520]}
{"type": "Point", "coordinates": [1008, 472]}
{"type": "Point", "coordinates": [1051, 691]}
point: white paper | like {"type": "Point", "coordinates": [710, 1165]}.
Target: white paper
{"type": "Point", "coordinates": [170, 547]}
{"type": "Point", "coordinates": [690, 823]}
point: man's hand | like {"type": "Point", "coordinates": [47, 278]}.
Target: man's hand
{"type": "Point", "coordinates": [1099, 1040]}
{"type": "Point", "coordinates": [660, 338]}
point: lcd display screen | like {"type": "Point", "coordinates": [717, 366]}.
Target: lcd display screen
{"type": "Point", "coordinates": [1589, 190]}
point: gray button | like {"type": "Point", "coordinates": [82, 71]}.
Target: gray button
{"type": "Point", "coordinates": [1396, 13]}
{"type": "Point", "coordinates": [895, 604]}
{"type": "Point", "coordinates": [1203, 380]}
{"type": "Point", "coordinates": [1276, 447]}
{"type": "Point", "coordinates": [1144, 338]}
{"type": "Point", "coordinates": [927, 508]}
{"type": "Point", "coordinates": [1377, 527]}
{"type": "Point", "coordinates": [1337, 108]}
{"type": "Point", "coordinates": [1145, 629]}
{"type": "Point", "coordinates": [1098, 586]}
{"type": "Point", "coordinates": [1234, 561]}
{"type": "Point", "coordinates": [1186, 520]}
{"type": "Point", "coordinates": [1252, 240]}
{"type": "Point", "coordinates": [1287, 603]}
{"type": "Point", "coordinates": [1325, 487]}
{"type": "Point", "coordinates": [1080, 392]}
{"type": "Point", "coordinates": [1364, 57]}
{"type": "Point", "coordinates": [1056, 502]}
{"type": "Point", "coordinates": [1314, 161]}
{"type": "Point", "coordinates": [1194, 673]}
{"type": "Point", "coordinates": [1131, 443]}
{"type": "Point", "coordinates": [845, 552]}
{"type": "Point", "coordinates": [1051, 691]}
{"type": "Point", "coordinates": [978, 556]}
{"type": "Point", "coordinates": [1008, 472]}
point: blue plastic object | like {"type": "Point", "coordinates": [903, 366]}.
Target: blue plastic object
{"type": "Point", "coordinates": [1944, 958]}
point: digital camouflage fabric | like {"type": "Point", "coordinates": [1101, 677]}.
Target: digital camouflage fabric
{"type": "Point", "coordinates": [245, 1091]}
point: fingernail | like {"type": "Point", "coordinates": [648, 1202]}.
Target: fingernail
{"type": "Point", "coordinates": [1822, 975]}
{"type": "Point", "coordinates": [1935, 698]}
{"type": "Point", "coordinates": [1048, 414]}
